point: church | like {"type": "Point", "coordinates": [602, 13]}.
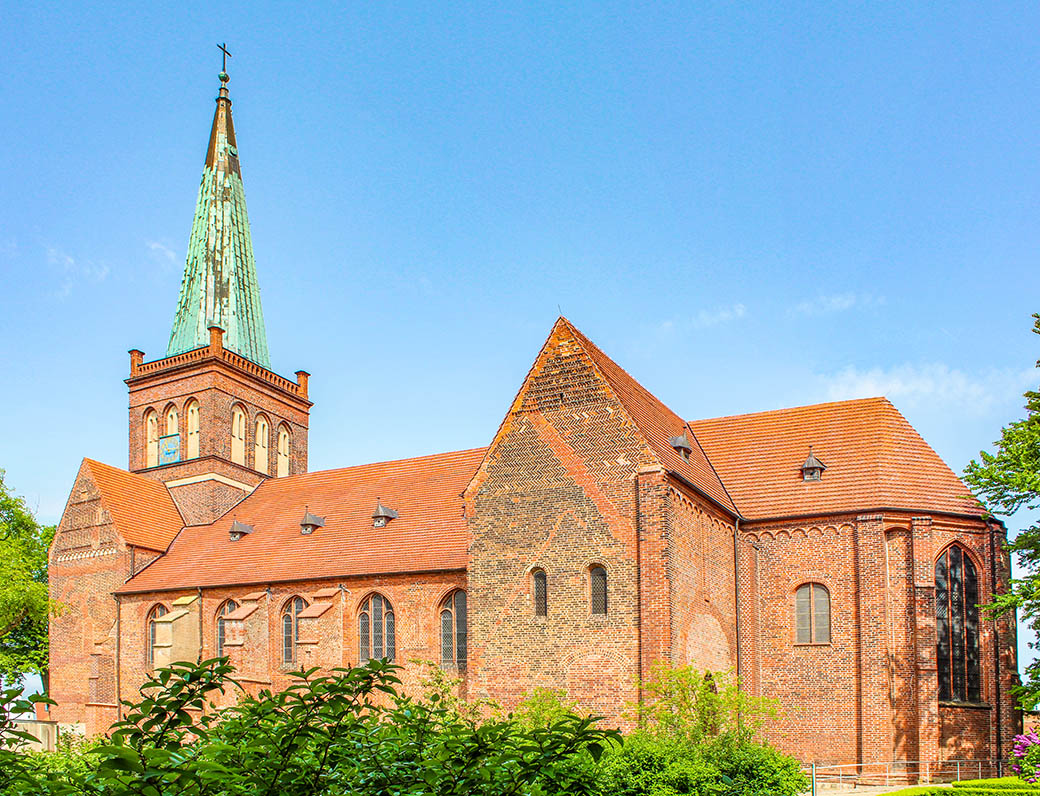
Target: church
{"type": "Point", "coordinates": [825, 555]}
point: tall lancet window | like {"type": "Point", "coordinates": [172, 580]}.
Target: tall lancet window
{"type": "Point", "coordinates": [262, 432]}
{"type": "Point", "coordinates": [193, 429]}
{"type": "Point", "coordinates": [284, 445]}
{"type": "Point", "coordinates": [238, 435]}
{"type": "Point", "coordinates": [957, 627]}
{"type": "Point", "coordinates": [151, 437]}
{"type": "Point", "coordinates": [171, 421]}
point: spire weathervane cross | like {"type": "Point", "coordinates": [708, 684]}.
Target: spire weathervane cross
{"type": "Point", "coordinates": [223, 48]}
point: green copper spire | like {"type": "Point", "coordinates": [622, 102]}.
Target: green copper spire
{"type": "Point", "coordinates": [220, 287]}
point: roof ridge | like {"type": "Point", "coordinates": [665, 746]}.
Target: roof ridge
{"type": "Point", "coordinates": [781, 410]}
{"type": "Point", "coordinates": [287, 478]}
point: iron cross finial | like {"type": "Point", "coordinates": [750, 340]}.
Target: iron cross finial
{"type": "Point", "coordinates": [223, 63]}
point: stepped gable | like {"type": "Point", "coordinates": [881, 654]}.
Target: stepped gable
{"type": "Point", "coordinates": [657, 424]}
{"type": "Point", "coordinates": [429, 533]}
{"type": "Point", "coordinates": [874, 458]}
{"type": "Point", "coordinates": [141, 508]}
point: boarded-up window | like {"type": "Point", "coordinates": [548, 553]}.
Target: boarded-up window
{"type": "Point", "coordinates": [238, 435]}
{"type": "Point", "coordinates": [957, 627]}
{"type": "Point", "coordinates": [541, 598]}
{"type": "Point", "coordinates": [598, 590]}
{"type": "Point", "coordinates": [151, 435]}
{"type": "Point", "coordinates": [193, 429]}
{"type": "Point", "coordinates": [284, 440]}
{"type": "Point", "coordinates": [812, 613]}
{"type": "Point", "coordinates": [261, 435]}
{"type": "Point", "coordinates": [453, 631]}
{"type": "Point", "coordinates": [376, 636]}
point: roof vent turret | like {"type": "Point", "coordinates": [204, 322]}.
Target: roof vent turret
{"type": "Point", "coordinates": [310, 522]}
{"type": "Point", "coordinates": [682, 445]}
{"type": "Point", "coordinates": [239, 529]}
{"type": "Point", "coordinates": [812, 468]}
{"type": "Point", "coordinates": [382, 515]}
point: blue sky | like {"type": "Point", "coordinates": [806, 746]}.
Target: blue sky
{"type": "Point", "coordinates": [747, 205]}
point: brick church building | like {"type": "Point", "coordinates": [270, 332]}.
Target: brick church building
{"type": "Point", "coordinates": [825, 554]}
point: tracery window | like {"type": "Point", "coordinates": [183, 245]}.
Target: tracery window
{"type": "Point", "coordinates": [193, 429]}
{"type": "Point", "coordinates": [812, 614]}
{"type": "Point", "coordinates": [291, 627]}
{"type": "Point", "coordinates": [598, 590]}
{"type": "Point", "coordinates": [224, 610]}
{"type": "Point", "coordinates": [541, 597]}
{"type": "Point", "coordinates": [151, 436]}
{"type": "Point", "coordinates": [957, 627]}
{"type": "Point", "coordinates": [284, 441]}
{"type": "Point", "coordinates": [156, 611]}
{"type": "Point", "coordinates": [238, 435]}
{"type": "Point", "coordinates": [260, 441]}
{"type": "Point", "coordinates": [453, 631]}
{"type": "Point", "coordinates": [376, 629]}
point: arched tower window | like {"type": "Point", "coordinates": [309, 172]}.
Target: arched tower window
{"type": "Point", "coordinates": [377, 629]}
{"type": "Point", "coordinates": [224, 610]}
{"type": "Point", "coordinates": [238, 435]}
{"type": "Point", "coordinates": [261, 435]}
{"type": "Point", "coordinates": [957, 627]}
{"type": "Point", "coordinates": [284, 446]}
{"type": "Point", "coordinates": [192, 412]}
{"type": "Point", "coordinates": [291, 627]}
{"type": "Point", "coordinates": [812, 614]}
{"type": "Point", "coordinates": [151, 438]}
{"type": "Point", "coordinates": [598, 590]}
{"type": "Point", "coordinates": [541, 597]}
{"type": "Point", "coordinates": [171, 421]}
{"type": "Point", "coordinates": [153, 614]}
{"type": "Point", "coordinates": [453, 631]}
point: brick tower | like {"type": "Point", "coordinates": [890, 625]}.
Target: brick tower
{"type": "Point", "coordinates": [211, 419]}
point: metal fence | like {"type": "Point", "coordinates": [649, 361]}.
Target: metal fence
{"type": "Point", "coordinates": [899, 772]}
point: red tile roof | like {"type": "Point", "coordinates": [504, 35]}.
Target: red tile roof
{"type": "Point", "coordinates": [141, 508]}
{"type": "Point", "coordinates": [430, 533]}
{"type": "Point", "coordinates": [658, 424]}
{"type": "Point", "coordinates": [874, 457]}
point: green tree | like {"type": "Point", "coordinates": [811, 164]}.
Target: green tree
{"type": "Point", "coordinates": [1008, 480]}
{"type": "Point", "coordinates": [24, 604]}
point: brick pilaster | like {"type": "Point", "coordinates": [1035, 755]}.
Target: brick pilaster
{"type": "Point", "coordinates": [927, 679]}
{"type": "Point", "coordinates": [875, 721]}
{"type": "Point", "coordinates": [655, 631]}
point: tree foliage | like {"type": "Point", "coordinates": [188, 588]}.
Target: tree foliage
{"type": "Point", "coordinates": [1008, 480]}
{"type": "Point", "coordinates": [24, 604]}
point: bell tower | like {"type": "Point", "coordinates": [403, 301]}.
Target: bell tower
{"type": "Point", "coordinates": [211, 419]}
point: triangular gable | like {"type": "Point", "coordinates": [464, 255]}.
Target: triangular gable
{"type": "Point", "coordinates": [142, 509]}
{"type": "Point", "coordinates": [653, 422]}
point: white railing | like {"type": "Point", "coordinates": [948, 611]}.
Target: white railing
{"type": "Point", "coordinates": [899, 772]}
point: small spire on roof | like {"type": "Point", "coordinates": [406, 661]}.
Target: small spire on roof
{"type": "Point", "coordinates": [382, 515]}
{"type": "Point", "coordinates": [812, 468]}
{"type": "Point", "coordinates": [310, 522]}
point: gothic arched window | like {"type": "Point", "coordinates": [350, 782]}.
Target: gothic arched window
{"type": "Point", "coordinates": [377, 629]}
{"type": "Point", "coordinates": [171, 421]}
{"type": "Point", "coordinates": [598, 590]}
{"type": "Point", "coordinates": [812, 614]}
{"type": "Point", "coordinates": [957, 627]}
{"type": "Point", "coordinates": [224, 610]}
{"type": "Point", "coordinates": [151, 437]}
{"type": "Point", "coordinates": [541, 597]}
{"type": "Point", "coordinates": [192, 411]}
{"type": "Point", "coordinates": [153, 614]}
{"type": "Point", "coordinates": [238, 435]}
{"type": "Point", "coordinates": [291, 627]}
{"type": "Point", "coordinates": [284, 445]}
{"type": "Point", "coordinates": [453, 631]}
{"type": "Point", "coordinates": [262, 433]}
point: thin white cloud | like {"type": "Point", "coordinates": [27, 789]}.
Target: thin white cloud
{"type": "Point", "coordinates": [717, 316]}
{"type": "Point", "coordinates": [74, 270]}
{"type": "Point", "coordinates": [930, 385]}
{"type": "Point", "coordinates": [835, 302]}
{"type": "Point", "coordinates": [163, 251]}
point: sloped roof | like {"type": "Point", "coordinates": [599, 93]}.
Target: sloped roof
{"type": "Point", "coordinates": [429, 534]}
{"type": "Point", "coordinates": [875, 459]}
{"type": "Point", "coordinates": [658, 424]}
{"type": "Point", "coordinates": [141, 508]}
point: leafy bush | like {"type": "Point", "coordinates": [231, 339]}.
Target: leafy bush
{"type": "Point", "coordinates": [1025, 756]}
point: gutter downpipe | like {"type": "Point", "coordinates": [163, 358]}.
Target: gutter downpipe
{"type": "Point", "coordinates": [736, 615]}
{"type": "Point", "coordinates": [119, 636]}
{"type": "Point", "coordinates": [996, 644]}
{"type": "Point", "coordinates": [639, 597]}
